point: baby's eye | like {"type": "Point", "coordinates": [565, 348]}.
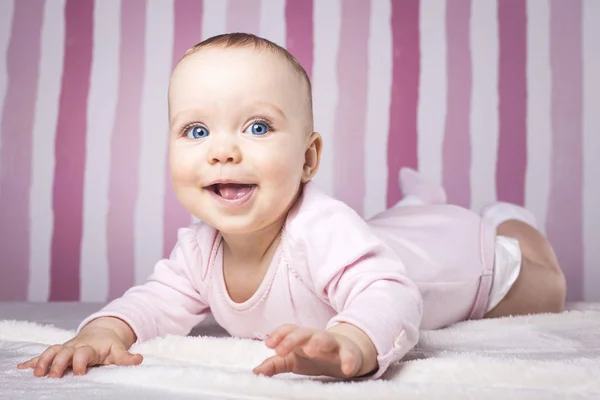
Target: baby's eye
{"type": "Point", "coordinates": [257, 128]}
{"type": "Point", "coordinates": [196, 132]}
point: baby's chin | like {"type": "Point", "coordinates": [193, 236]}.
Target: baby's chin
{"type": "Point", "coordinates": [241, 225]}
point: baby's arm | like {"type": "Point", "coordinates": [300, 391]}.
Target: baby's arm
{"type": "Point", "coordinates": [377, 324]}
{"type": "Point", "coordinates": [379, 308]}
{"type": "Point", "coordinates": [384, 305]}
{"type": "Point", "coordinates": [366, 283]}
{"type": "Point", "coordinates": [167, 304]}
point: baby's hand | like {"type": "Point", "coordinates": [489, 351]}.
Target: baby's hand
{"type": "Point", "coordinates": [94, 345]}
{"type": "Point", "coordinates": [318, 352]}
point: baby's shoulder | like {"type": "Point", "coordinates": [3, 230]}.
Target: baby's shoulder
{"type": "Point", "coordinates": [318, 212]}
{"type": "Point", "coordinates": [324, 236]}
{"type": "Point", "coordinates": [322, 224]}
{"type": "Point", "coordinates": [198, 243]}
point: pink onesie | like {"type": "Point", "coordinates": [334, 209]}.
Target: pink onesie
{"type": "Point", "coordinates": [406, 269]}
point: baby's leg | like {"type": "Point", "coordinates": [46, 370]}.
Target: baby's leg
{"type": "Point", "coordinates": [418, 191]}
{"type": "Point", "coordinates": [540, 286]}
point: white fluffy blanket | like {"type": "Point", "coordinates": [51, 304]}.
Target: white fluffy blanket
{"type": "Point", "coordinates": [534, 357]}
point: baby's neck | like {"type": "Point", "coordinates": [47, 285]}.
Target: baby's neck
{"type": "Point", "coordinates": [252, 249]}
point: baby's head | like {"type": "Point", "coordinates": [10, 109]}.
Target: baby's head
{"type": "Point", "coordinates": [241, 132]}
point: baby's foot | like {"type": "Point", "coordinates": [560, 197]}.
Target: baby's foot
{"type": "Point", "coordinates": [500, 212]}
{"type": "Point", "coordinates": [419, 190]}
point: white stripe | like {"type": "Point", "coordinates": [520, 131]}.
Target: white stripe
{"type": "Point", "coordinates": [102, 101]}
{"type": "Point", "coordinates": [484, 101]}
{"type": "Point", "coordinates": [272, 21]}
{"type": "Point", "coordinates": [539, 135]}
{"type": "Point", "coordinates": [44, 133]}
{"type": "Point", "coordinates": [591, 148]}
{"type": "Point", "coordinates": [153, 146]}
{"type": "Point", "coordinates": [378, 106]}
{"type": "Point", "coordinates": [327, 24]}
{"type": "Point", "coordinates": [214, 18]}
{"type": "Point", "coordinates": [6, 15]}
{"type": "Point", "coordinates": [432, 89]}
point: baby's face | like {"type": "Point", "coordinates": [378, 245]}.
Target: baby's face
{"type": "Point", "coordinates": [238, 138]}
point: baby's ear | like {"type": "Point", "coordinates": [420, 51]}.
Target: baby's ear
{"type": "Point", "coordinates": [312, 157]}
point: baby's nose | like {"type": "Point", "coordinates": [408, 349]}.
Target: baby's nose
{"type": "Point", "coordinates": [225, 151]}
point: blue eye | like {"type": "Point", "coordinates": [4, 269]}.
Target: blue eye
{"type": "Point", "coordinates": [258, 128]}
{"type": "Point", "coordinates": [196, 132]}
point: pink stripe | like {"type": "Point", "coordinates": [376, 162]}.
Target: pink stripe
{"type": "Point", "coordinates": [457, 140]}
{"type": "Point", "coordinates": [125, 150]}
{"type": "Point", "coordinates": [402, 140]}
{"type": "Point", "coordinates": [299, 32]}
{"type": "Point", "coordinates": [512, 89]}
{"type": "Point", "coordinates": [243, 16]}
{"type": "Point", "coordinates": [70, 152]}
{"type": "Point", "coordinates": [350, 119]}
{"type": "Point", "coordinates": [16, 147]}
{"type": "Point", "coordinates": [564, 225]}
{"type": "Point", "coordinates": [188, 32]}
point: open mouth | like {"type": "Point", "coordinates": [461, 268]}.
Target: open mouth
{"type": "Point", "coordinates": [231, 191]}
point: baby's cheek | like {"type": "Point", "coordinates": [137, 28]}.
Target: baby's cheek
{"type": "Point", "coordinates": [285, 170]}
{"type": "Point", "coordinates": [183, 172]}
{"type": "Point", "coordinates": [181, 177]}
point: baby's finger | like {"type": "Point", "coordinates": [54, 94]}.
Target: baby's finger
{"type": "Point", "coordinates": [274, 365]}
{"type": "Point", "coordinates": [278, 334]}
{"type": "Point", "coordinates": [294, 341]}
{"type": "Point", "coordinates": [84, 357]}
{"type": "Point", "coordinates": [45, 360]}
{"type": "Point", "coordinates": [29, 363]}
{"type": "Point", "coordinates": [349, 364]}
{"type": "Point", "coordinates": [61, 362]}
{"type": "Point", "coordinates": [123, 357]}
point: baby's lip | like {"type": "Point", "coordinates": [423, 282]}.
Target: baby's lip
{"type": "Point", "coordinates": [229, 182]}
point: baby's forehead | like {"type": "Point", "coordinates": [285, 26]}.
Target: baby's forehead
{"type": "Point", "coordinates": [230, 59]}
{"type": "Point", "coordinates": [235, 69]}
{"type": "Point", "coordinates": [220, 77]}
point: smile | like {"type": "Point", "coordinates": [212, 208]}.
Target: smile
{"type": "Point", "coordinates": [231, 193]}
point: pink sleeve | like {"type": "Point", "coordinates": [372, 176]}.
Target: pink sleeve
{"type": "Point", "coordinates": [365, 282]}
{"type": "Point", "coordinates": [169, 302]}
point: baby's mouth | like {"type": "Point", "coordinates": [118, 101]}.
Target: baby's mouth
{"type": "Point", "coordinates": [231, 191]}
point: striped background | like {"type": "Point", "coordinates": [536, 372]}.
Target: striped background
{"type": "Point", "coordinates": [495, 99]}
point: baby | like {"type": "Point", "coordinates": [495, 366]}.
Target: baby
{"type": "Point", "coordinates": [276, 259]}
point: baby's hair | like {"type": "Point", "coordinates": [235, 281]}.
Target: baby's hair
{"type": "Point", "coordinates": [239, 39]}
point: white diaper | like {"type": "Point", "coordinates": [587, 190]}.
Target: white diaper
{"type": "Point", "coordinates": [507, 265]}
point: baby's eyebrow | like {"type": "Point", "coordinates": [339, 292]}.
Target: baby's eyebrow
{"type": "Point", "coordinates": [185, 115]}
{"type": "Point", "coordinates": [273, 107]}
{"type": "Point", "coordinates": [180, 117]}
